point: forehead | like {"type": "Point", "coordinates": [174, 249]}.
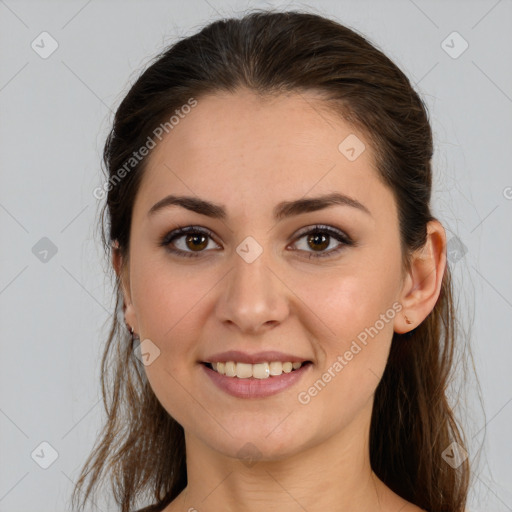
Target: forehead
{"type": "Point", "coordinates": [296, 124]}
{"type": "Point", "coordinates": [262, 150]}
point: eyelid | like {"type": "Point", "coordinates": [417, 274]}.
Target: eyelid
{"type": "Point", "coordinates": [183, 230]}
{"type": "Point", "coordinates": [343, 239]}
{"type": "Point", "coordinates": [323, 227]}
{"type": "Point", "coordinates": [340, 236]}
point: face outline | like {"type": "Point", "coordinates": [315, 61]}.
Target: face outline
{"type": "Point", "coordinates": [249, 154]}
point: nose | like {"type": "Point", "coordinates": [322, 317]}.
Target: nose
{"type": "Point", "coordinates": [254, 299]}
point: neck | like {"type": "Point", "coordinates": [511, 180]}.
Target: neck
{"type": "Point", "coordinates": [333, 475]}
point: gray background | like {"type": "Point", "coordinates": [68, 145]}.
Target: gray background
{"type": "Point", "coordinates": [55, 113]}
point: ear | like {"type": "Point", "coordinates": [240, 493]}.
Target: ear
{"type": "Point", "coordinates": [123, 272]}
{"type": "Point", "coordinates": [423, 281]}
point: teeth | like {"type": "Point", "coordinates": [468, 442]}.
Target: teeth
{"type": "Point", "coordinates": [243, 370]}
{"type": "Point", "coordinates": [230, 369]}
{"type": "Point", "coordinates": [258, 371]}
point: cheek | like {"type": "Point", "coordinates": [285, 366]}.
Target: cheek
{"type": "Point", "coordinates": [358, 309]}
{"type": "Point", "coordinates": [352, 363]}
{"type": "Point", "coordinates": [168, 300]}
{"type": "Point", "coordinates": [170, 309]}
{"type": "Point", "coordinates": [349, 304]}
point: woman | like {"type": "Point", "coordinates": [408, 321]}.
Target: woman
{"type": "Point", "coordinates": [287, 323]}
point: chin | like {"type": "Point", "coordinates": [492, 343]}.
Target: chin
{"type": "Point", "coordinates": [250, 441]}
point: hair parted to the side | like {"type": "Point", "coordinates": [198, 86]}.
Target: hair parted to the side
{"type": "Point", "coordinates": [141, 448]}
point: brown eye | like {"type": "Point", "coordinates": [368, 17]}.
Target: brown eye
{"type": "Point", "coordinates": [198, 241]}
{"type": "Point", "coordinates": [319, 241]}
{"type": "Point", "coordinates": [320, 238]}
{"type": "Point", "coordinates": [187, 241]}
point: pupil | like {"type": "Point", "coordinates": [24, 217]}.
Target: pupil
{"type": "Point", "coordinates": [193, 239]}
{"type": "Point", "coordinates": [314, 239]}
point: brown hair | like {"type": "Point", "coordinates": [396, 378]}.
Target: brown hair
{"type": "Point", "coordinates": [141, 447]}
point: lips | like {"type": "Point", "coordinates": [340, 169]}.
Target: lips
{"type": "Point", "coordinates": [257, 371]}
{"type": "Point", "coordinates": [257, 375]}
{"type": "Point", "coordinates": [255, 358]}
{"type": "Point", "coordinates": [250, 388]}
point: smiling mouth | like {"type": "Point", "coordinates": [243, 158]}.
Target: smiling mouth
{"type": "Point", "coordinates": [262, 370]}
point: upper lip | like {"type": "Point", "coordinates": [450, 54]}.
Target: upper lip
{"type": "Point", "coordinates": [257, 357]}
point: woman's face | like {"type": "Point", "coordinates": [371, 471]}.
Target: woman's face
{"type": "Point", "coordinates": [253, 281]}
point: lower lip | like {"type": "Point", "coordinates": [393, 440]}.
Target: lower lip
{"type": "Point", "coordinates": [256, 388]}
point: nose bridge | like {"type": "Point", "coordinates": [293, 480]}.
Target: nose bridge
{"type": "Point", "coordinates": [253, 297]}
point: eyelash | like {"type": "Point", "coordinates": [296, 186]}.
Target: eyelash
{"type": "Point", "coordinates": [334, 233]}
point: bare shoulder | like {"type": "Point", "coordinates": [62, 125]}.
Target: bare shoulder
{"type": "Point", "coordinates": [174, 506]}
{"type": "Point", "coordinates": [396, 503]}
{"type": "Point", "coordinates": [410, 507]}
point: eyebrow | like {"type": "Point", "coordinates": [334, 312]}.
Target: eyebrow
{"type": "Point", "coordinates": [282, 210]}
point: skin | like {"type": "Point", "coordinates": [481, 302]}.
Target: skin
{"type": "Point", "coordinates": [248, 154]}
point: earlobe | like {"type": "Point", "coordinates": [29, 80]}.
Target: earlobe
{"type": "Point", "coordinates": [116, 257]}
{"type": "Point", "coordinates": [119, 268]}
{"type": "Point", "coordinates": [123, 276]}
{"type": "Point", "coordinates": [423, 283]}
